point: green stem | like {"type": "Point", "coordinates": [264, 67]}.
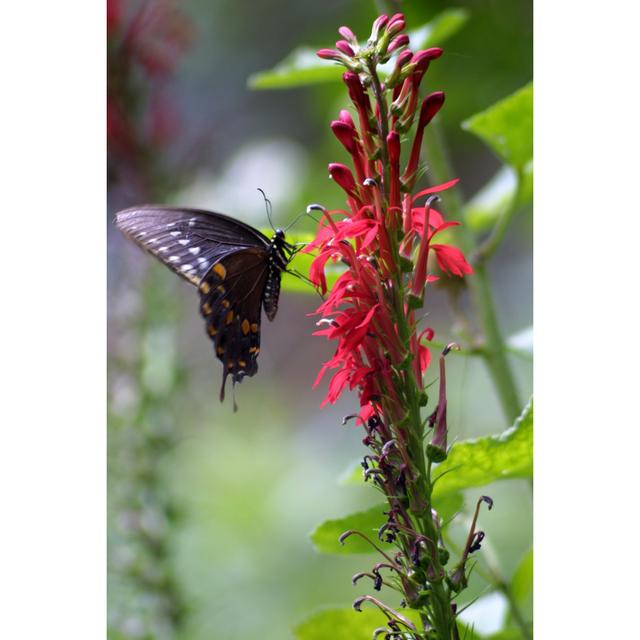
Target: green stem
{"type": "Point", "coordinates": [500, 583]}
{"type": "Point", "coordinates": [491, 244]}
{"type": "Point", "coordinates": [493, 576]}
{"type": "Point", "coordinates": [494, 350]}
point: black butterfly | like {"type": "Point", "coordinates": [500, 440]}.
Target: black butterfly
{"type": "Point", "coordinates": [236, 268]}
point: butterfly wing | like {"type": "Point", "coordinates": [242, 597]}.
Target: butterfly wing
{"type": "Point", "coordinates": [188, 241]}
{"type": "Point", "coordinates": [230, 264]}
{"type": "Point", "coordinates": [231, 295]}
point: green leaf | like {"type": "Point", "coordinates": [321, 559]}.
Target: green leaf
{"type": "Point", "coordinates": [303, 68]}
{"type": "Point", "coordinates": [474, 463]}
{"type": "Point", "coordinates": [488, 204]}
{"type": "Point", "coordinates": [522, 581]}
{"type": "Point", "coordinates": [506, 634]}
{"type": "Point", "coordinates": [300, 68]}
{"type": "Point", "coordinates": [346, 624]}
{"type": "Point", "coordinates": [507, 127]}
{"type": "Point", "coordinates": [445, 25]}
{"type": "Point", "coordinates": [325, 537]}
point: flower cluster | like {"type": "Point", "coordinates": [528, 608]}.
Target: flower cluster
{"type": "Point", "coordinates": [385, 237]}
{"type": "Point", "coordinates": [386, 234]}
{"type": "Point", "coordinates": [144, 43]}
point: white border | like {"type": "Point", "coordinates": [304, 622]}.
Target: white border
{"type": "Point", "coordinates": [52, 455]}
{"type": "Point", "coordinates": [586, 319]}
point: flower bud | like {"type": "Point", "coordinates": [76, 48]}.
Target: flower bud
{"type": "Point", "coordinates": [329, 54]}
{"type": "Point", "coordinates": [457, 580]}
{"type": "Point", "coordinates": [399, 41]}
{"type": "Point", "coordinates": [345, 117]}
{"type": "Point", "coordinates": [396, 24]}
{"type": "Point", "coordinates": [343, 176]}
{"type": "Point", "coordinates": [422, 58]}
{"type": "Point", "coordinates": [348, 35]}
{"type": "Point", "coordinates": [345, 47]}
{"type": "Point", "coordinates": [430, 106]}
{"type": "Point", "coordinates": [378, 24]}
{"type": "Point", "coordinates": [393, 145]}
{"type": "Point", "coordinates": [345, 134]}
{"type": "Point", "coordinates": [356, 91]}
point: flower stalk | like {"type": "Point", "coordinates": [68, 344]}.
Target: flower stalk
{"type": "Point", "coordinates": [390, 246]}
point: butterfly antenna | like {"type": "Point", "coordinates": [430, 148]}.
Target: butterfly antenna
{"type": "Point", "coordinates": [268, 206]}
{"type": "Point", "coordinates": [304, 213]}
{"type": "Point", "coordinates": [233, 394]}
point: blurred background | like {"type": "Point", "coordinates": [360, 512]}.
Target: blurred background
{"type": "Point", "coordinates": [209, 511]}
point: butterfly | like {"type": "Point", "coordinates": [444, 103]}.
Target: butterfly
{"type": "Point", "coordinates": [235, 267]}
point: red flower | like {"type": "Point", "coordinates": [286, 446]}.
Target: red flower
{"type": "Point", "coordinates": [382, 222]}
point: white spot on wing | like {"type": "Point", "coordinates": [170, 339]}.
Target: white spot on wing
{"type": "Point", "coordinates": [175, 234]}
{"type": "Point", "coordinates": [187, 267]}
{"type": "Point", "coordinates": [183, 242]}
{"type": "Point", "coordinates": [194, 250]}
{"type": "Point", "coordinates": [174, 258]}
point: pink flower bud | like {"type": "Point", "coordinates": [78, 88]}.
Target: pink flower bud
{"type": "Point", "coordinates": [328, 54]}
{"type": "Point", "coordinates": [345, 134]}
{"type": "Point", "coordinates": [342, 176]}
{"type": "Point", "coordinates": [378, 24]}
{"type": "Point", "coordinates": [422, 58]}
{"type": "Point", "coordinates": [396, 24]}
{"type": "Point", "coordinates": [345, 117]}
{"type": "Point", "coordinates": [345, 47]}
{"type": "Point", "coordinates": [403, 58]}
{"type": "Point", "coordinates": [356, 92]}
{"type": "Point", "coordinates": [393, 145]}
{"type": "Point", "coordinates": [431, 105]}
{"type": "Point", "coordinates": [348, 35]}
{"type": "Point", "coordinates": [399, 41]}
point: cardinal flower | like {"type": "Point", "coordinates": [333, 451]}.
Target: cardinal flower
{"type": "Point", "coordinates": [392, 243]}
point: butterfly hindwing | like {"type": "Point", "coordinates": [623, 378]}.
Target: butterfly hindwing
{"type": "Point", "coordinates": [188, 241]}
{"type": "Point", "coordinates": [231, 296]}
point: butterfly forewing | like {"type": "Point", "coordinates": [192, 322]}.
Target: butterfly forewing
{"type": "Point", "coordinates": [188, 241]}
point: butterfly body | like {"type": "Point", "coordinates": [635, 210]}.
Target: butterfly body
{"type": "Point", "coordinates": [235, 267]}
